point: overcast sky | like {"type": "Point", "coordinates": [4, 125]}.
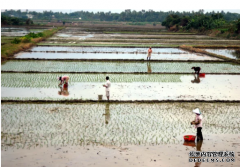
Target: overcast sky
{"type": "Point", "coordinates": [117, 6]}
{"type": "Point", "coordinates": [120, 10]}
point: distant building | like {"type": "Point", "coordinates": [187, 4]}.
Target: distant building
{"type": "Point", "coordinates": [30, 16]}
{"type": "Point", "coordinates": [150, 10]}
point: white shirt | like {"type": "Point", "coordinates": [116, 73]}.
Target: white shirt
{"type": "Point", "coordinates": [197, 119]}
{"type": "Point", "coordinates": [108, 85]}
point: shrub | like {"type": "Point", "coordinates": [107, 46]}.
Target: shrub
{"type": "Point", "coordinates": [26, 39]}
{"type": "Point", "coordinates": [32, 35]}
{"type": "Point", "coordinates": [16, 41]}
{"type": "Point", "coordinates": [40, 34]}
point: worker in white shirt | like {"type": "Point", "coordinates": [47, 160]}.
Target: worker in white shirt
{"type": "Point", "coordinates": [198, 123]}
{"type": "Point", "coordinates": [107, 86]}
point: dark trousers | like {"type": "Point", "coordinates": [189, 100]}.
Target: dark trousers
{"type": "Point", "coordinates": [199, 134]}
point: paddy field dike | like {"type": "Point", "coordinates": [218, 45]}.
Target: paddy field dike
{"type": "Point", "coordinates": [151, 102]}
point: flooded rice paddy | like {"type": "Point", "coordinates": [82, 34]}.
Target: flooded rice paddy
{"type": "Point", "coordinates": [111, 67]}
{"type": "Point", "coordinates": [112, 56]}
{"type": "Point", "coordinates": [125, 87]}
{"type": "Point", "coordinates": [112, 133]}
{"type": "Point", "coordinates": [231, 53]}
{"type": "Point", "coordinates": [28, 126]}
{"type": "Point", "coordinates": [104, 49]}
{"type": "Point", "coordinates": [9, 31]}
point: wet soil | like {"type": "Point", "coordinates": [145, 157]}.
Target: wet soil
{"type": "Point", "coordinates": [225, 52]}
{"type": "Point", "coordinates": [166, 155]}
{"type": "Point", "coordinates": [210, 88]}
{"type": "Point", "coordinates": [112, 56]}
{"type": "Point", "coordinates": [104, 49]}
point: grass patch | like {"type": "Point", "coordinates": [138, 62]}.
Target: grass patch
{"type": "Point", "coordinates": [9, 49]}
{"type": "Point", "coordinates": [217, 46]}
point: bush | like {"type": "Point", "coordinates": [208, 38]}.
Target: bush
{"type": "Point", "coordinates": [16, 41]}
{"type": "Point", "coordinates": [26, 39]}
{"type": "Point", "coordinates": [40, 34]}
{"type": "Point", "coordinates": [32, 35]}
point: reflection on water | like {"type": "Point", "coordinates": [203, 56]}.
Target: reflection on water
{"type": "Point", "coordinates": [149, 69]}
{"type": "Point", "coordinates": [196, 79]}
{"type": "Point", "coordinates": [198, 146]}
{"type": "Point", "coordinates": [64, 90]}
{"type": "Point", "coordinates": [55, 124]}
{"type": "Point", "coordinates": [107, 114]}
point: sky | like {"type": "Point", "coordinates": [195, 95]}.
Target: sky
{"type": "Point", "coordinates": [120, 10]}
{"type": "Point", "coordinates": [117, 6]}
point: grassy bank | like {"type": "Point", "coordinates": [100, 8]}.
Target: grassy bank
{"type": "Point", "coordinates": [8, 49]}
{"type": "Point", "coordinates": [198, 50]}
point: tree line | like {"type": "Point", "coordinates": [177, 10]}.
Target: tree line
{"type": "Point", "coordinates": [201, 22]}
{"type": "Point", "coordinates": [6, 20]}
{"type": "Point", "coordinates": [126, 16]}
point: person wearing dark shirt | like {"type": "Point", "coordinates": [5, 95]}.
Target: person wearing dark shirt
{"type": "Point", "coordinates": [196, 69]}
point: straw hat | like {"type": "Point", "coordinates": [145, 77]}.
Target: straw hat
{"type": "Point", "coordinates": [197, 111]}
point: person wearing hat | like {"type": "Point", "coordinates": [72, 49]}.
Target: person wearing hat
{"type": "Point", "coordinates": [63, 80]}
{"type": "Point", "coordinates": [198, 123]}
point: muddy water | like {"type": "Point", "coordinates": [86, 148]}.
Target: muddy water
{"type": "Point", "coordinates": [41, 55]}
{"type": "Point", "coordinates": [149, 67]}
{"type": "Point", "coordinates": [80, 37]}
{"type": "Point", "coordinates": [105, 49]}
{"type": "Point", "coordinates": [31, 125]}
{"type": "Point", "coordinates": [128, 155]}
{"type": "Point", "coordinates": [189, 87]}
{"type": "Point", "coordinates": [231, 53]}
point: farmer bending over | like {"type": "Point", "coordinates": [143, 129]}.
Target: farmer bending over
{"type": "Point", "coordinates": [196, 69]}
{"type": "Point", "coordinates": [63, 80]}
{"type": "Point", "coordinates": [198, 123]}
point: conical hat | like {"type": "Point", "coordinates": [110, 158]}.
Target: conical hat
{"type": "Point", "coordinates": [197, 111]}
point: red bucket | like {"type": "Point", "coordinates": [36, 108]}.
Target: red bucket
{"type": "Point", "coordinates": [202, 75]}
{"type": "Point", "coordinates": [189, 138]}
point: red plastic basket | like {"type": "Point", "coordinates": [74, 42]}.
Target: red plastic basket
{"type": "Point", "coordinates": [189, 138]}
{"type": "Point", "coordinates": [202, 75]}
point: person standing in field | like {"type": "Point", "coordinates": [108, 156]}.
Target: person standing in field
{"type": "Point", "coordinates": [198, 123]}
{"type": "Point", "coordinates": [63, 80]}
{"type": "Point", "coordinates": [107, 86]}
{"type": "Point", "coordinates": [149, 53]}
